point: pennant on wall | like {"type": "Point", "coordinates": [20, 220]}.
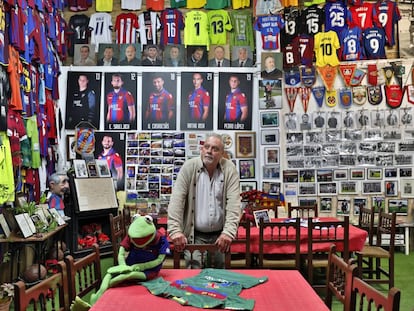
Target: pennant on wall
{"type": "Point", "coordinates": [319, 94]}
{"type": "Point", "coordinates": [305, 93]}
{"type": "Point", "coordinates": [291, 93]}
{"type": "Point", "coordinates": [372, 74]}
{"type": "Point", "coordinates": [292, 76]}
{"type": "Point", "coordinates": [394, 94]}
{"type": "Point", "coordinates": [347, 72]}
{"type": "Point", "coordinates": [308, 76]}
{"type": "Point", "coordinates": [328, 75]}
{"type": "Point", "coordinates": [345, 97]}
{"type": "Point", "coordinates": [374, 94]}
{"type": "Point", "coordinates": [359, 94]}
{"type": "Point", "coordinates": [331, 98]}
{"type": "Point", "coordinates": [388, 73]}
{"type": "Point", "coordinates": [357, 77]}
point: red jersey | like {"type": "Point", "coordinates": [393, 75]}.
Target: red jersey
{"type": "Point", "coordinates": [126, 27]}
{"type": "Point", "coordinates": [155, 5]}
{"type": "Point", "coordinates": [388, 15]}
{"type": "Point", "coordinates": [362, 16]}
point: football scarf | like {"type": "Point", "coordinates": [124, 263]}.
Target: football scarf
{"type": "Point", "coordinates": [85, 140]}
{"type": "Point", "coordinates": [410, 93]}
{"type": "Point", "coordinates": [291, 93]}
{"type": "Point", "coordinates": [308, 76]}
{"type": "Point", "coordinates": [345, 97]}
{"type": "Point", "coordinates": [328, 75]}
{"type": "Point", "coordinates": [305, 96]}
{"type": "Point", "coordinates": [388, 73]}
{"type": "Point", "coordinates": [319, 94]}
{"type": "Point", "coordinates": [372, 74]}
{"type": "Point", "coordinates": [374, 94]}
{"type": "Point", "coordinates": [357, 77]}
{"type": "Point", "coordinates": [331, 98]}
{"type": "Point", "coordinates": [394, 94]}
{"type": "Point", "coordinates": [359, 94]}
{"type": "Point", "coordinates": [292, 77]}
{"type": "Point", "coordinates": [347, 72]}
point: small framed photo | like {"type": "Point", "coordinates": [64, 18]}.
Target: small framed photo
{"type": "Point", "coordinates": [103, 169]}
{"type": "Point", "coordinates": [357, 173]}
{"type": "Point", "coordinates": [348, 187]}
{"type": "Point", "coordinates": [398, 206]}
{"type": "Point", "coordinates": [269, 118]}
{"type": "Point", "coordinates": [248, 186]}
{"type": "Point", "coordinates": [406, 172]}
{"type": "Point", "coordinates": [245, 145]}
{"type": "Point", "coordinates": [58, 217]}
{"type": "Point", "coordinates": [261, 214]}
{"type": "Point", "coordinates": [4, 226]}
{"type": "Point", "coordinates": [246, 169]}
{"type": "Point", "coordinates": [369, 187]}
{"type": "Point", "coordinates": [407, 188]}
{"type": "Point", "coordinates": [324, 175]}
{"type": "Point", "coordinates": [81, 170]}
{"type": "Point", "coordinates": [391, 188]}
{"type": "Point", "coordinates": [374, 173]}
{"type": "Point", "coordinates": [307, 188]}
{"type": "Point", "coordinates": [272, 171]}
{"type": "Point", "coordinates": [390, 173]}
{"type": "Point", "coordinates": [341, 174]}
{"type": "Point", "coordinates": [377, 203]}
{"type": "Point", "coordinates": [270, 137]}
{"type": "Point", "coordinates": [92, 169]}
{"type": "Point", "coordinates": [343, 207]}
{"type": "Point", "coordinates": [274, 188]}
{"type": "Point", "coordinates": [328, 188]}
{"type": "Point", "coordinates": [325, 205]}
{"type": "Point", "coordinates": [359, 203]}
{"type": "Point", "coordinates": [70, 147]}
{"type": "Point", "coordinates": [272, 155]}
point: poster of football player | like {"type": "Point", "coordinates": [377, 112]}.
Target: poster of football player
{"type": "Point", "coordinates": [197, 100]}
{"type": "Point", "coordinates": [120, 101]}
{"type": "Point", "coordinates": [235, 101]}
{"type": "Point", "coordinates": [83, 98]}
{"type": "Point", "coordinates": [110, 146]}
{"type": "Point", "coordinates": [270, 94]}
{"type": "Point", "coordinates": [159, 95]}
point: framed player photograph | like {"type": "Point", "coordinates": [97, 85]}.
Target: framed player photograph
{"type": "Point", "coordinates": [84, 55]}
{"type": "Point", "coordinates": [110, 146]}
{"type": "Point", "coordinates": [246, 169]}
{"type": "Point", "coordinates": [269, 118]}
{"type": "Point", "coordinates": [120, 101]}
{"type": "Point", "coordinates": [159, 96]}
{"type": "Point", "coordinates": [174, 55]}
{"type": "Point", "coordinates": [398, 206]}
{"type": "Point", "coordinates": [391, 188]}
{"type": "Point", "coordinates": [271, 65]}
{"type": "Point", "coordinates": [270, 94]}
{"type": "Point", "coordinates": [83, 99]}
{"type": "Point", "coordinates": [108, 55]}
{"type": "Point", "coordinates": [270, 137]}
{"type": "Point", "coordinates": [235, 101]}
{"type": "Point", "coordinates": [197, 93]}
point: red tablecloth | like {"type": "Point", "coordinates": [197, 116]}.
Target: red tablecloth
{"type": "Point", "coordinates": [286, 290]}
{"type": "Point", "coordinates": [357, 239]}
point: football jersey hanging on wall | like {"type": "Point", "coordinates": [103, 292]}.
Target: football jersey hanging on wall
{"type": "Point", "coordinates": [196, 28]}
{"type": "Point", "coordinates": [326, 45]}
{"type": "Point", "coordinates": [172, 22]}
{"type": "Point", "coordinates": [242, 33]}
{"type": "Point", "coordinates": [101, 24]}
{"type": "Point", "coordinates": [388, 15]}
{"type": "Point", "coordinates": [126, 27]}
{"type": "Point", "coordinates": [219, 24]}
{"type": "Point", "coordinates": [149, 24]}
{"type": "Point", "coordinates": [269, 28]}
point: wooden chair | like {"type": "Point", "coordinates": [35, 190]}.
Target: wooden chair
{"type": "Point", "coordinates": [242, 260]}
{"type": "Point", "coordinates": [366, 297]}
{"type": "Point", "coordinates": [84, 274]}
{"type": "Point", "coordinates": [49, 294]}
{"type": "Point", "coordinates": [127, 218]}
{"type": "Point", "coordinates": [207, 252]}
{"type": "Point", "coordinates": [117, 234]}
{"type": "Point", "coordinates": [339, 279]}
{"type": "Point", "coordinates": [366, 221]}
{"type": "Point", "coordinates": [379, 253]}
{"type": "Point", "coordinates": [302, 211]}
{"type": "Point", "coordinates": [321, 233]}
{"type": "Point", "coordinates": [281, 233]}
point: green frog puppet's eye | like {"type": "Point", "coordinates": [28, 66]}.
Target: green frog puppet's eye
{"type": "Point", "coordinates": [148, 219]}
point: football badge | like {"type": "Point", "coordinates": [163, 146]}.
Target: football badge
{"type": "Point", "coordinates": [345, 97]}
{"type": "Point", "coordinates": [359, 94]}
{"type": "Point", "coordinates": [292, 77]}
{"type": "Point", "coordinates": [331, 98]}
{"type": "Point", "coordinates": [374, 94]}
{"type": "Point", "coordinates": [308, 75]}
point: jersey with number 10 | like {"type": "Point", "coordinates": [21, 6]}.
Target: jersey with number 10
{"type": "Point", "coordinates": [172, 23]}
{"type": "Point", "coordinates": [219, 23]}
{"type": "Point", "coordinates": [196, 28]}
{"type": "Point", "coordinates": [326, 45]}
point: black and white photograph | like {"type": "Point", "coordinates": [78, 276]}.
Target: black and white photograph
{"type": "Point", "coordinates": [235, 101]}
{"type": "Point", "coordinates": [81, 170]}
{"type": "Point", "coordinates": [407, 188]}
{"type": "Point", "coordinates": [83, 99]}
{"type": "Point", "coordinates": [197, 93]}
{"type": "Point", "coordinates": [269, 118]}
{"type": "Point", "coordinates": [270, 137]}
{"type": "Point", "coordinates": [369, 187]}
{"type": "Point", "coordinates": [159, 100]}
{"type": "Point", "coordinates": [120, 111]}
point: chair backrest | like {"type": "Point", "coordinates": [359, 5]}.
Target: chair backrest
{"type": "Point", "coordinates": [279, 233]}
{"type": "Point", "coordinates": [321, 233]}
{"type": "Point", "coordinates": [49, 294]}
{"type": "Point", "coordinates": [84, 274]}
{"type": "Point", "coordinates": [117, 234]}
{"type": "Point", "coordinates": [386, 225]}
{"type": "Point", "coordinates": [366, 297]}
{"type": "Point", "coordinates": [366, 221]}
{"type": "Point", "coordinates": [206, 251]}
{"type": "Point", "coordinates": [127, 218]}
{"type": "Point", "coordinates": [243, 237]}
{"type": "Point", "coordinates": [339, 279]}
{"type": "Point", "coordinates": [302, 211]}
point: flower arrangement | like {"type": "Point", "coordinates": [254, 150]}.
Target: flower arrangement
{"type": "Point", "coordinates": [6, 292]}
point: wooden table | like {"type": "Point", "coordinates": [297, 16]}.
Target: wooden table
{"type": "Point", "coordinates": [285, 290]}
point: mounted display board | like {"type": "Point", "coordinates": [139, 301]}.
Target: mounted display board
{"type": "Point", "coordinates": [95, 194]}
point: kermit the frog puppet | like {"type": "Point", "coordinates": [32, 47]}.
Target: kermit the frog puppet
{"type": "Point", "coordinates": [140, 258]}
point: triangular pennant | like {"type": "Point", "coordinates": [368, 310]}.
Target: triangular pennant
{"type": "Point", "coordinates": [388, 73]}
{"type": "Point", "coordinates": [345, 97]}
{"type": "Point", "coordinates": [328, 75]}
{"type": "Point", "coordinates": [291, 93]}
{"type": "Point", "coordinates": [308, 76]}
{"type": "Point", "coordinates": [410, 93]}
{"type": "Point", "coordinates": [359, 94]}
{"type": "Point", "coordinates": [292, 76]}
{"type": "Point", "coordinates": [331, 98]}
{"type": "Point", "coordinates": [357, 77]}
{"type": "Point", "coordinates": [319, 94]}
{"type": "Point", "coordinates": [399, 71]}
{"type": "Point", "coordinates": [372, 74]}
{"type": "Point", "coordinates": [394, 94]}
{"type": "Point", "coordinates": [374, 94]}
{"type": "Point", "coordinates": [305, 95]}
{"type": "Point", "coordinates": [347, 72]}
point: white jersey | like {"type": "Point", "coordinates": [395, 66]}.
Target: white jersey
{"type": "Point", "coordinates": [101, 24]}
{"type": "Point", "coordinates": [131, 4]}
{"type": "Point", "coordinates": [149, 24]}
{"type": "Point", "coordinates": [126, 27]}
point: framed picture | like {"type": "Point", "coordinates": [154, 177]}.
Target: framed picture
{"type": "Point", "coordinates": [4, 226]}
{"type": "Point", "coordinates": [261, 214]}
{"type": "Point", "coordinates": [324, 175]}
{"type": "Point", "coordinates": [377, 203]}
{"type": "Point", "coordinates": [70, 147]}
{"type": "Point", "coordinates": [343, 206]}
{"type": "Point", "coordinates": [245, 145]}
{"type": "Point", "coordinates": [246, 169]}
{"type": "Point", "coordinates": [248, 186]}
{"type": "Point", "coordinates": [406, 172]}
{"type": "Point", "coordinates": [307, 189]}
{"type": "Point", "coordinates": [390, 173]}
{"type": "Point", "coordinates": [371, 187]}
{"type": "Point", "coordinates": [271, 171]}
{"type": "Point", "coordinates": [391, 188]}
{"type": "Point", "coordinates": [328, 188]}
{"type": "Point", "coordinates": [274, 188]}
{"type": "Point", "coordinates": [269, 118]}
{"type": "Point", "coordinates": [357, 173]}
{"type": "Point", "coordinates": [359, 203]}
{"type": "Point", "coordinates": [81, 170]}
{"type": "Point", "coordinates": [398, 206]}
{"type": "Point", "coordinates": [348, 187]}
{"type": "Point", "coordinates": [374, 173]}
{"type": "Point", "coordinates": [92, 169]}
{"type": "Point", "coordinates": [55, 214]}
{"type": "Point", "coordinates": [307, 175]}
{"type": "Point", "coordinates": [272, 155]}
{"type": "Point", "coordinates": [325, 205]}
{"type": "Point", "coordinates": [103, 169]}
{"type": "Point", "coordinates": [341, 174]}
{"type": "Point", "coordinates": [407, 188]}
{"type": "Point", "coordinates": [270, 137]}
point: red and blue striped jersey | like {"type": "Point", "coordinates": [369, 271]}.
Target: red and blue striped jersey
{"type": "Point", "coordinates": [235, 101]}
{"type": "Point", "coordinates": [118, 104]}
{"type": "Point", "coordinates": [388, 15]}
{"type": "Point", "coordinates": [56, 201]}
{"type": "Point", "coordinates": [172, 22]}
{"type": "Point", "coordinates": [197, 101]}
{"type": "Point", "coordinates": [269, 28]}
{"type": "Point", "coordinates": [159, 105]}
{"type": "Point", "coordinates": [113, 159]}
